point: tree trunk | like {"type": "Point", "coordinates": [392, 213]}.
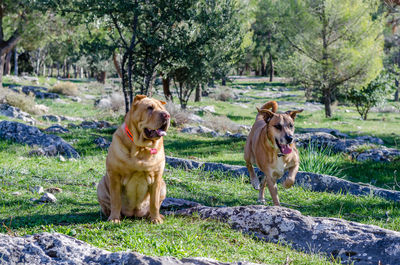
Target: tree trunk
{"type": "Point", "coordinates": [2, 60]}
{"type": "Point", "coordinates": [166, 89]}
{"type": "Point", "coordinates": [396, 94]}
{"type": "Point", "coordinates": [15, 62]}
{"type": "Point", "coordinates": [263, 68]}
{"type": "Point", "coordinates": [58, 69]}
{"type": "Point", "coordinates": [51, 70]}
{"type": "Point", "coordinates": [197, 97]}
{"type": "Point", "coordinates": [75, 71]}
{"type": "Point", "coordinates": [68, 66]}
{"type": "Point", "coordinates": [327, 102]}
{"type": "Point", "coordinates": [271, 68]}
{"type": "Point", "coordinates": [7, 66]}
{"type": "Point", "coordinates": [101, 77]}
{"type": "Point", "coordinates": [38, 63]}
{"type": "Point", "coordinates": [44, 69]}
{"type": "Point", "coordinates": [223, 81]}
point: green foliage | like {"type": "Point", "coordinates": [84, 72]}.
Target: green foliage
{"type": "Point", "coordinates": [336, 44]}
{"type": "Point", "coordinates": [371, 95]}
{"type": "Point", "coordinates": [321, 161]}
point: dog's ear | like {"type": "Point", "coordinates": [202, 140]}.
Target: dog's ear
{"type": "Point", "coordinates": [292, 113]}
{"type": "Point", "coordinates": [163, 102]}
{"type": "Point", "coordinates": [267, 114]}
{"type": "Point", "coordinates": [138, 98]}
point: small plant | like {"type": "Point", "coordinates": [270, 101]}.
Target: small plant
{"type": "Point", "coordinates": [371, 95]}
{"type": "Point", "coordinates": [224, 94]}
{"type": "Point", "coordinates": [24, 102]}
{"type": "Point", "coordinates": [65, 88]}
{"type": "Point", "coordinates": [220, 123]}
{"type": "Point", "coordinates": [179, 116]}
{"type": "Point", "coordinates": [117, 102]}
{"type": "Point", "coordinates": [320, 160]}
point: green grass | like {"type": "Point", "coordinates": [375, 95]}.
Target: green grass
{"type": "Point", "coordinates": [77, 212]}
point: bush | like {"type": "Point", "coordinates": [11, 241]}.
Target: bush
{"type": "Point", "coordinates": [224, 94]}
{"type": "Point", "coordinates": [179, 116]}
{"type": "Point", "coordinates": [221, 123]}
{"type": "Point", "coordinates": [65, 88]}
{"type": "Point", "coordinates": [371, 95]}
{"type": "Point", "coordinates": [24, 102]}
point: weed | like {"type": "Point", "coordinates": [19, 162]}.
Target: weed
{"type": "Point", "coordinates": [65, 88]}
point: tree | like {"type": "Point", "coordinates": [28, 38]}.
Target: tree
{"type": "Point", "coordinates": [371, 95]}
{"type": "Point", "coordinates": [337, 43]}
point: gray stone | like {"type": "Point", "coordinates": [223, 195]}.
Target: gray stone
{"type": "Point", "coordinates": [16, 193]}
{"type": "Point", "coordinates": [210, 109]}
{"type": "Point", "coordinates": [53, 118]}
{"type": "Point", "coordinates": [173, 203]}
{"type": "Point", "coordinates": [75, 99]}
{"type": "Point", "coordinates": [193, 118]}
{"type": "Point", "coordinates": [197, 129]}
{"type": "Point", "coordinates": [95, 125]}
{"type": "Point", "coordinates": [14, 112]}
{"type": "Point", "coordinates": [349, 241]}
{"type": "Point", "coordinates": [24, 134]}
{"type": "Point", "coordinates": [334, 132]}
{"type": "Point", "coordinates": [102, 142]}
{"type": "Point", "coordinates": [37, 189]}
{"type": "Point", "coordinates": [47, 197]}
{"type": "Point", "coordinates": [54, 249]}
{"type": "Point", "coordinates": [39, 92]}
{"type": "Point", "coordinates": [56, 129]}
{"type": "Point", "coordinates": [311, 181]}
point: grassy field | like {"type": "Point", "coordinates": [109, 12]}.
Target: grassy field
{"type": "Point", "coordinates": [77, 212]}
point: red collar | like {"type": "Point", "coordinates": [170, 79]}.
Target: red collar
{"type": "Point", "coordinates": [153, 151]}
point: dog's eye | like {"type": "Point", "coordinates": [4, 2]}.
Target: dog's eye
{"type": "Point", "coordinates": [150, 108]}
{"type": "Point", "coordinates": [278, 126]}
{"type": "Point", "coordinates": [290, 126]}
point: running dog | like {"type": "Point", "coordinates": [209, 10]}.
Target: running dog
{"type": "Point", "coordinates": [271, 147]}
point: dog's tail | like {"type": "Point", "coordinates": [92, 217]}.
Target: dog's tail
{"type": "Point", "coordinates": [271, 105]}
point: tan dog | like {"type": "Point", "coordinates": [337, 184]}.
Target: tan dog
{"type": "Point", "coordinates": [133, 184]}
{"type": "Point", "coordinates": [270, 145]}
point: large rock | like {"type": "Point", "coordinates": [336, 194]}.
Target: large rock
{"type": "Point", "coordinates": [46, 248]}
{"type": "Point", "coordinates": [14, 112]}
{"type": "Point", "coordinates": [24, 134]}
{"type": "Point", "coordinates": [310, 181]}
{"type": "Point", "coordinates": [349, 241]}
{"type": "Point", "coordinates": [39, 92]}
{"type": "Point", "coordinates": [196, 130]}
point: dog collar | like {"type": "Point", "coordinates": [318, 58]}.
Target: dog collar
{"type": "Point", "coordinates": [153, 151]}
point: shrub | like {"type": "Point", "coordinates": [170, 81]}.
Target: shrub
{"type": "Point", "coordinates": [224, 94]}
{"type": "Point", "coordinates": [371, 95]}
{"type": "Point", "coordinates": [320, 160]}
{"type": "Point", "coordinates": [117, 102]}
{"type": "Point", "coordinates": [65, 88]}
{"type": "Point", "coordinates": [179, 116]}
{"type": "Point", "coordinates": [220, 123]}
{"type": "Point", "coordinates": [24, 102]}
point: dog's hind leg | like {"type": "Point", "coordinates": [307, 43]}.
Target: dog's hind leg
{"type": "Point", "coordinates": [253, 177]}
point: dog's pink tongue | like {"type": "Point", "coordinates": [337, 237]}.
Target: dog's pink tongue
{"type": "Point", "coordinates": [286, 149]}
{"type": "Point", "coordinates": [161, 132]}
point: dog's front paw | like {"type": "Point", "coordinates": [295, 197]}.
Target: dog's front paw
{"type": "Point", "coordinates": [288, 183]}
{"type": "Point", "coordinates": [114, 220]}
{"type": "Point", "coordinates": [157, 219]}
{"type": "Point", "coordinates": [256, 183]}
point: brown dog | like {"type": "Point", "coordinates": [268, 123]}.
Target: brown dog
{"type": "Point", "coordinates": [270, 145]}
{"type": "Point", "coordinates": [133, 184]}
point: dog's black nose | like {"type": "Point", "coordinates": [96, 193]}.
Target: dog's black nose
{"type": "Point", "coordinates": [289, 139]}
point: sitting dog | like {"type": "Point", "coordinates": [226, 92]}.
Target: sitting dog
{"type": "Point", "coordinates": [133, 184]}
{"type": "Point", "coordinates": [271, 147]}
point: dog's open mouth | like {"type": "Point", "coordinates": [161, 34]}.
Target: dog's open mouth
{"type": "Point", "coordinates": [156, 133]}
{"type": "Point", "coordinates": [285, 148]}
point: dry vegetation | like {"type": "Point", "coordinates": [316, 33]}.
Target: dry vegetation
{"type": "Point", "coordinates": [23, 102]}
{"type": "Point", "coordinates": [179, 116]}
{"type": "Point", "coordinates": [65, 88]}
{"type": "Point", "coordinates": [220, 123]}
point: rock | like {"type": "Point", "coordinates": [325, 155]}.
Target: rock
{"type": "Point", "coordinates": [54, 249]}
{"type": "Point", "coordinates": [56, 129]}
{"type": "Point", "coordinates": [67, 118]}
{"type": "Point", "coordinates": [39, 92]}
{"type": "Point", "coordinates": [75, 99]}
{"type": "Point", "coordinates": [89, 97]}
{"type": "Point", "coordinates": [42, 108]}
{"type": "Point", "coordinates": [60, 101]}
{"type": "Point", "coordinates": [16, 193]}
{"type": "Point", "coordinates": [210, 109]}
{"type": "Point", "coordinates": [54, 190]}
{"type": "Point", "coordinates": [370, 139]}
{"type": "Point", "coordinates": [349, 241]}
{"type": "Point", "coordinates": [24, 134]}
{"type": "Point", "coordinates": [102, 142]}
{"type": "Point", "coordinates": [334, 132]}
{"type": "Point", "coordinates": [104, 103]}
{"type": "Point", "coordinates": [37, 189]}
{"type": "Point", "coordinates": [37, 152]}
{"type": "Point", "coordinates": [193, 118]}
{"type": "Point", "coordinates": [47, 197]}
{"type": "Point", "coordinates": [95, 125]}
{"type": "Point", "coordinates": [197, 129]}
{"type": "Point", "coordinates": [53, 118]}
{"type": "Point", "coordinates": [13, 112]}
{"type": "Point", "coordinates": [173, 203]}
{"type": "Point", "coordinates": [62, 159]}
{"type": "Point", "coordinates": [307, 180]}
